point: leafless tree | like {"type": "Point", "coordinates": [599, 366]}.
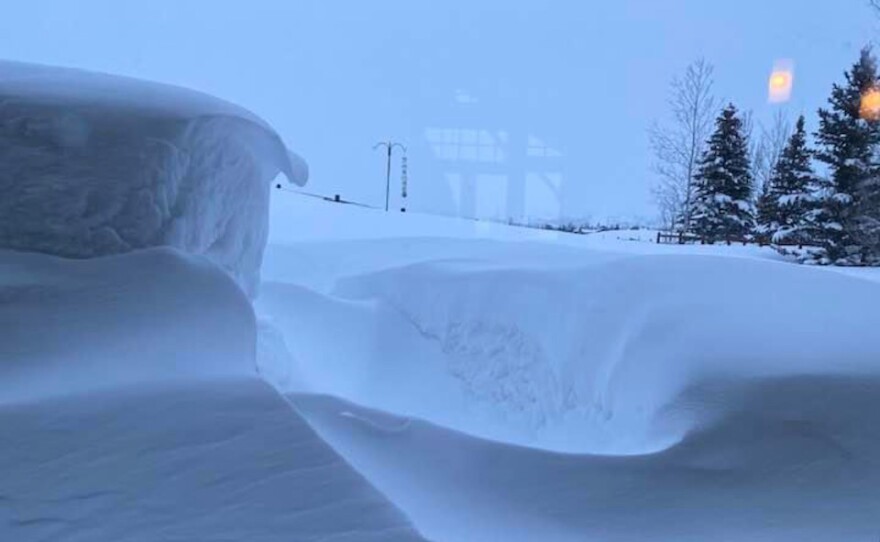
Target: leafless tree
{"type": "Point", "coordinates": [768, 147]}
{"type": "Point", "coordinates": [679, 143]}
{"type": "Point", "coordinates": [748, 131]}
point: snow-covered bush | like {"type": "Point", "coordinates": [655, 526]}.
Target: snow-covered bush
{"type": "Point", "coordinates": [92, 165]}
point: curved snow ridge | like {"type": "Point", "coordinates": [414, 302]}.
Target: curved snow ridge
{"type": "Point", "coordinates": [589, 358]}
{"type": "Point", "coordinates": [777, 460]}
{"type": "Point", "coordinates": [94, 164]}
{"type": "Point", "coordinates": [90, 92]}
{"type": "Point", "coordinates": [157, 315]}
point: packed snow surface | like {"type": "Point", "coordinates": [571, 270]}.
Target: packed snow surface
{"type": "Point", "coordinates": [560, 387]}
{"type": "Point", "coordinates": [93, 165]}
{"type": "Point", "coordinates": [402, 376]}
{"type": "Point", "coordinates": [131, 410]}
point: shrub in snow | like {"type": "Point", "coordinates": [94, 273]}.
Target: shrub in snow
{"type": "Point", "coordinates": [92, 165]}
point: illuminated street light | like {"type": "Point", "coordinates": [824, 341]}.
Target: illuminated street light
{"type": "Point", "coordinates": [781, 82]}
{"type": "Point", "coordinates": [869, 108]}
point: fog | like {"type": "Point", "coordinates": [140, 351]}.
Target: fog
{"type": "Point", "coordinates": [508, 109]}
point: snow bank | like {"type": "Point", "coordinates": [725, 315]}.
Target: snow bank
{"type": "Point", "coordinates": [77, 326]}
{"type": "Point", "coordinates": [775, 460]}
{"type": "Point", "coordinates": [570, 350]}
{"type": "Point", "coordinates": [603, 349]}
{"type": "Point", "coordinates": [132, 410]}
{"type": "Point", "coordinates": [92, 165]}
{"type": "Point", "coordinates": [690, 392]}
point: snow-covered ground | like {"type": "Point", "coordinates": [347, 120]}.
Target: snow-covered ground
{"type": "Point", "coordinates": [132, 228]}
{"type": "Point", "coordinates": [410, 377]}
{"type": "Point", "coordinates": [131, 409]}
{"type": "Point", "coordinates": [524, 385]}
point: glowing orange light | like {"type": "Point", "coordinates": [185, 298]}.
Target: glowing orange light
{"type": "Point", "coordinates": [781, 82]}
{"type": "Point", "coordinates": [869, 109]}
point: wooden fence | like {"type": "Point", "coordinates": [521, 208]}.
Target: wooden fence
{"type": "Point", "coordinates": [677, 238]}
{"type": "Point", "coordinates": [684, 238]}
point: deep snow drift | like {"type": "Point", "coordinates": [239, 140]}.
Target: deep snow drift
{"type": "Point", "coordinates": [73, 327]}
{"type": "Point", "coordinates": [93, 164]}
{"type": "Point", "coordinates": [131, 409]}
{"type": "Point", "coordinates": [782, 460]}
{"type": "Point", "coordinates": [697, 396]}
{"type": "Point", "coordinates": [574, 358]}
{"type": "Point", "coordinates": [549, 345]}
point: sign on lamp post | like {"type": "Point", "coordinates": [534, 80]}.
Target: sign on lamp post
{"type": "Point", "coordinates": [389, 146]}
{"type": "Point", "coordinates": [404, 180]}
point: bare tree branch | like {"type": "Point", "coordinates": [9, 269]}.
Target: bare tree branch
{"type": "Point", "coordinates": [768, 148]}
{"type": "Point", "coordinates": [679, 144]}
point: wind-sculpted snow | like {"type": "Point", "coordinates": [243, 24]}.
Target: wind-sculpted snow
{"type": "Point", "coordinates": [92, 165]}
{"type": "Point", "coordinates": [768, 460]}
{"type": "Point", "coordinates": [79, 326]}
{"type": "Point", "coordinates": [578, 351]}
{"type": "Point", "coordinates": [131, 410]}
{"type": "Point", "coordinates": [203, 461]}
{"type": "Point", "coordinates": [625, 397]}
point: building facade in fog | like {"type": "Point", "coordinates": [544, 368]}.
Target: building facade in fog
{"type": "Point", "coordinates": [491, 165]}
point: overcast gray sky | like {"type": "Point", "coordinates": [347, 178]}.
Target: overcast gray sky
{"type": "Point", "coordinates": [508, 107]}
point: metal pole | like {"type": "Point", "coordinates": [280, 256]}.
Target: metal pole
{"type": "Point", "coordinates": [389, 146]}
{"type": "Point", "coordinates": [388, 177]}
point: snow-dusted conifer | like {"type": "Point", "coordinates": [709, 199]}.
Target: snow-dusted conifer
{"type": "Point", "coordinates": [723, 205]}
{"type": "Point", "coordinates": [785, 205]}
{"type": "Point", "coordinates": [846, 215]}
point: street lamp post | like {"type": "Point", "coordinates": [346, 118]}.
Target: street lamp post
{"type": "Point", "coordinates": [389, 147]}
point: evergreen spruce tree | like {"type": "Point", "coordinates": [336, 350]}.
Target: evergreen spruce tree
{"type": "Point", "coordinates": [787, 204]}
{"type": "Point", "coordinates": [723, 207]}
{"type": "Point", "coordinates": [848, 137]}
{"type": "Point", "coordinates": [766, 213]}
